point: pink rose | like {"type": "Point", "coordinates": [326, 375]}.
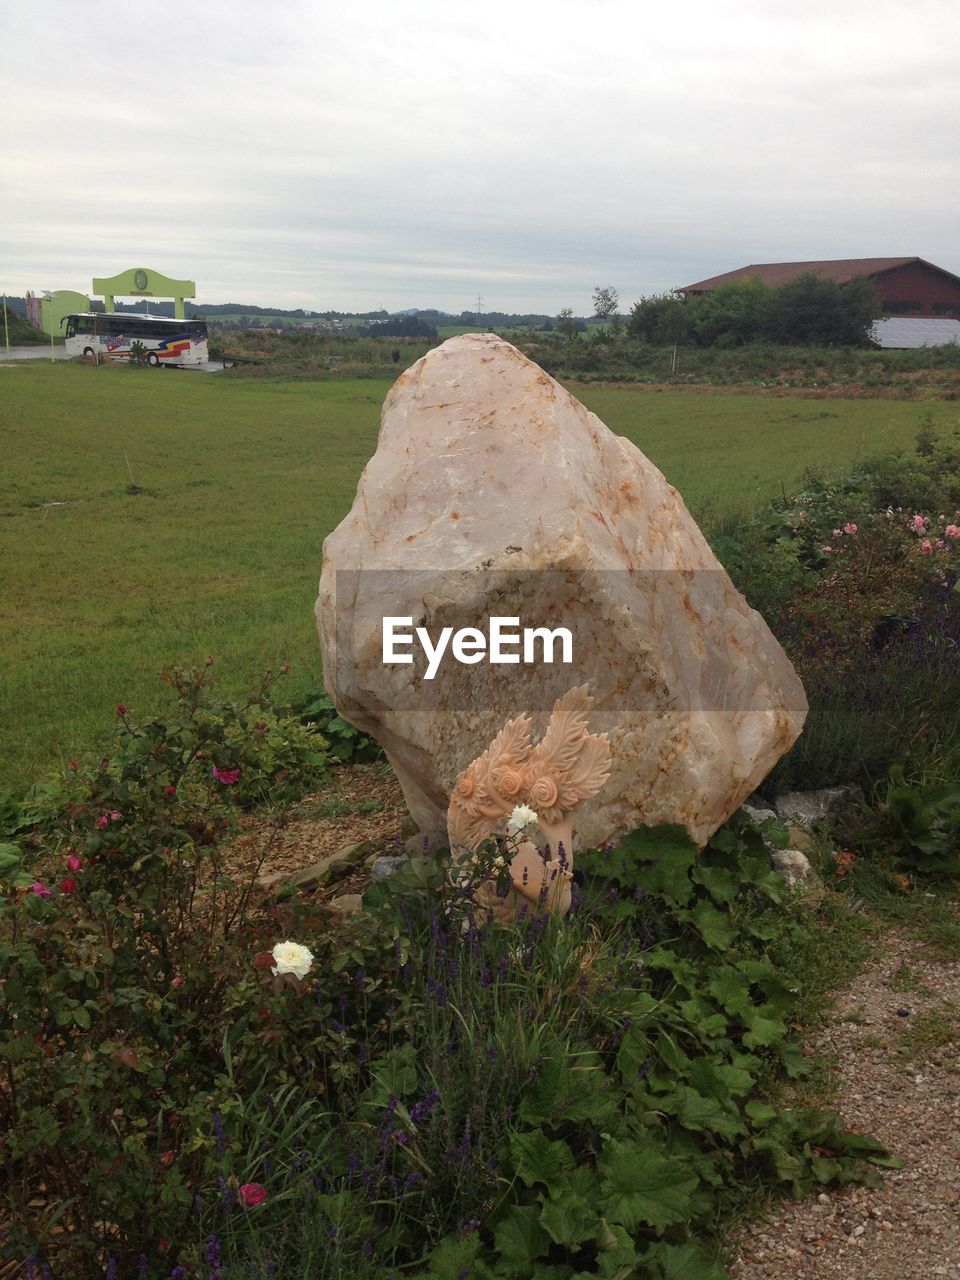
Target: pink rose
{"type": "Point", "coordinates": [251, 1194]}
{"type": "Point", "coordinates": [827, 550]}
{"type": "Point", "coordinates": [40, 889]}
{"type": "Point", "coordinates": [925, 547]}
{"type": "Point", "coordinates": [850, 528]}
{"type": "Point", "coordinates": [74, 863]}
{"type": "Point", "coordinates": [952, 531]}
{"type": "Point", "coordinates": [229, 777]}
{"type": "Point", "coordinates": [919, 524]}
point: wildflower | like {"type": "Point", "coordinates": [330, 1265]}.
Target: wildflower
{"type": "Point", "coordinates": [74, 863]}
{"type": "Point", "coordinates": [826, 550]}
{"type": "Point", "coordinates": [521, 817]}
{"type": "Point", "coordinates": [837, 532]}
{"type": "Point", "coordinates": [163, 1245]}
{"type": "Point", "coordinates": [74, 766]}
{"type": "Point", "coordinates": [850, 528]}
{"type": "Point", "coordinates": [40, 889]}
{"type": "Point", "coordinates": [177, 982]}
{"type": "Point", "coordinates": [844, 861]}
{"type": "Point", "coordinates": [251, 1194]}
{"type": "Point", "coordinates": [291, 957]}
{"type": "Point", "coordinates": [121, 709]}
{"type": "Point", "coordinates": [68, 884]}
{"type": "Point", "coordinates": [166, 1160]}
{"type": "Point", "coordinates": [169, 791]}
{"type": "Point", "coordinates": [229, 777]}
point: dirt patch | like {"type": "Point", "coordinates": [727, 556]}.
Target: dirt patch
{"type": "Point", "coordinates": [362, 802]}
{"type": "Point", "coordinates": [895, 1037]}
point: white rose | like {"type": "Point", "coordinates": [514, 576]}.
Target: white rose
{"type": "Point", "coordinates": [522, 816]}
{"type": "Point", "coordinates": [290, 957]}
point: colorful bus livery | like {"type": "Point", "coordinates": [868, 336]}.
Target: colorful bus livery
{"type": "Point", "coordinates": [178, 343]}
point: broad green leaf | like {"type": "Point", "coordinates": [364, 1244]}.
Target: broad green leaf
{"type": "Point", "coordinates": [683, 1262]}
{"type": "Point", "coordinates": [762, 1029]}
{"type": "Point", "coordinates": [760, 1112]}
{"type": "Point", "coordinates": [785, 1165]}
{"type": "Point", "coordinates": [702, 1015]}
{"type": "Point", "coordinates": [713, 926]}
{"type": "Point", "coordinates": [722, 885]}
{"type": "Point", "coordinates": [696, 1112]}
{"type": "Point", "coordinates": [730, 988]}
{"type": "Point", "coordinates": [569, 1220]}
{"type": "Point", "coordinates": [519, 1237]}
{"type": "Point", "coordinates": [537, 1159]}
{"type": "Point", "coordinates": [453, 1257]}
{"type": "Point", "coordinates": [665, 855]}
{"type": "Point", "coordinates": [642, 1186]}
{"type": "Point", "coordinates": [719, 1080]}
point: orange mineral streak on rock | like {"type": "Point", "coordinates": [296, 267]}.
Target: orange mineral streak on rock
{"type": "Point", "coordinates": [562, 524]}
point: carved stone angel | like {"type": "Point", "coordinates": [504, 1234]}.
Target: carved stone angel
{"type": "Point", "coordinates": [552, 779]}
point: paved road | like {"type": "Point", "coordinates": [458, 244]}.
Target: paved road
{"type": "Point", "coordinates": [43, 353]}
{"type": "Point", "coordinates": [32, 353]}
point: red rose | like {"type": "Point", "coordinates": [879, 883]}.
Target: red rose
{"type": "Point", "coordinates": [67, 884]}
{"type": "Point", "coordinates": [251, 1194]}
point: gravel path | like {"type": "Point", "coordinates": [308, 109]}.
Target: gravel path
{"type": "Point", "coordinates": [895, 1036]}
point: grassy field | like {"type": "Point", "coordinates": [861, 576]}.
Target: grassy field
{"type": "Point", "coordinates": [153, 519]}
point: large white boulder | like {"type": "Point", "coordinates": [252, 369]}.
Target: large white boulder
{"type": "Point", "coordinates": [494, 493]}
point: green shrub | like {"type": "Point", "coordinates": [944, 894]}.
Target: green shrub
{"type": "Point", "coordinates": [571, 1096]}
{"type": "Point", "coordinates": [856, 575]}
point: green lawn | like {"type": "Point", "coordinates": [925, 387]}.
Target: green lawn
{"type": "Point", "coordinates": [154, 518]}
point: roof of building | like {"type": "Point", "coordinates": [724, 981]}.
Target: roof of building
{"type": "Point", "coordinates": [901, 333]}
{"type": "Point", "coordinates": [840, 270]}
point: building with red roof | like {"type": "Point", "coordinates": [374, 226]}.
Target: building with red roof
{"type": "Point", "coordinates": [907, 286]}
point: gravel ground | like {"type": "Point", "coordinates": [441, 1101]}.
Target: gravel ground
{"type": "Point", "coordinates": [895, 1036]}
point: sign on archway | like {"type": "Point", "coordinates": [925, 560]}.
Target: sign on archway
{"type": "Point", "coordinates": [142, 282]}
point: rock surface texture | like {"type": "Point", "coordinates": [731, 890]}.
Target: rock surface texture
{"type": "Point", "coordinates": [493, 492]}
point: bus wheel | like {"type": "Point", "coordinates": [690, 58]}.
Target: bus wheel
{"type": "Point", "coordinates": [153, 359]}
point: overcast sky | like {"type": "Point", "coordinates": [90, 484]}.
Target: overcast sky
{"type": "Point", "coordinates": [350, 154]}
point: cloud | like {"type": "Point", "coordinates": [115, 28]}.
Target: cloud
{"type": "Point", "coordinates": [346, 156]}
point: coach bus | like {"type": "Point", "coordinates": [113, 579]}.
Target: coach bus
{"type": "Point", "coordinates": [161, 341]}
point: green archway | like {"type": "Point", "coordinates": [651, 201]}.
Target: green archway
{"type": "Point", "coordinates": [142, 282]}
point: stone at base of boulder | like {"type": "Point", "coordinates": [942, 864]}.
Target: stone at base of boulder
{"type": "Point", "coordinates": [793, 865]}
{"type": "Point", "coordinates": [757, 813]}
{"type": "Point", "coordinates": [807, 807]}
{"type": "Point", "coordinates": [386, 865]}
{"type": "Point", "coordinates": [799, 839]}
{"type": "Point", "coordinates": [348, 904]}
{"type": "Point", "coordinates": [334, 867]}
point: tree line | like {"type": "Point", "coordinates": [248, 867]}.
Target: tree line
{"type": "Point", "coordinates": [806, 311]}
